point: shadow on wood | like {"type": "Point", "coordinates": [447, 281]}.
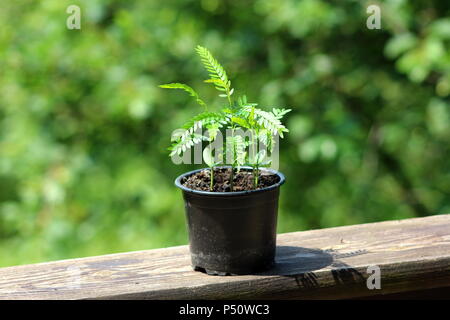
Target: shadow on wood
{"type": "Point", "coordinates": [300, 263]}
{"type": "Point", "coordinates": [292, 260]}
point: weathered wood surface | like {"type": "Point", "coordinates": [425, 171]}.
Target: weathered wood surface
{"type": "Point", "coordinates": [412, 254]}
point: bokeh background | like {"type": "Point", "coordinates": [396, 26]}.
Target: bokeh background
{"type": "Point", "coordinates": [84, 129]}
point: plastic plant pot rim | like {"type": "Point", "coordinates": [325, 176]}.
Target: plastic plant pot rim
{"type": "Point", "coordinates": [229, 194]}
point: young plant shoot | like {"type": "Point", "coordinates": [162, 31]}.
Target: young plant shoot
{"type": "Point", "coordinates": [235, 118]}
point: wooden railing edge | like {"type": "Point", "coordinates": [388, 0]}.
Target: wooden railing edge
{"type": "Point", "coordinates": [412, 254]}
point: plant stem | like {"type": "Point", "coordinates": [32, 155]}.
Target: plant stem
{"type": "Point", "coordinates": [234, 145]}
{"type": "Point", "coordinates": [231, 178]}
{"type": "Point", "coordinates": [256, 176]}
{"type": "Point", "coordinates": [254, 151]}
{"type": "Point", "coordinates": [254, 180]}
{"type": "Point", "coordinates": [229, 98]}
{"type": "Point", "coordinates": [212, 179]}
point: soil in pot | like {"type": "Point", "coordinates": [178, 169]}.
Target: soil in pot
{"type": "Point", "coordinates": [242, 180]}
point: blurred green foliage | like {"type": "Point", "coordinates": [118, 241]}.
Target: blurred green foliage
{"type": "Point", "coordinates": [84, 129]}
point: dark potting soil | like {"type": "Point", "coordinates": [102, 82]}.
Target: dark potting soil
{"type": "Point", "coordinates": [242, 180]}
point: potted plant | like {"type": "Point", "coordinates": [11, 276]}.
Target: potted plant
{"type": "Point", "coordinates": [231, 206]}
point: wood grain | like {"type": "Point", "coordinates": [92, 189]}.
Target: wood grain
{"type": "Point", "coordinates": [413, 255]}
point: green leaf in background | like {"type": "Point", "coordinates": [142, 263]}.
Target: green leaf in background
{"type": "Point", "coordinates": [84, 127]}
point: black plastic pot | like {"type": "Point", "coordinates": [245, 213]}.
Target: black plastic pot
{"type": "Point", "coordinates": [232, 232]}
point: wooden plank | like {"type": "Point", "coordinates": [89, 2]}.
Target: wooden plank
{"type": "Point", "coordinates": [413, 255]}
{"type": "Point", "coordinates": [428, 294]}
